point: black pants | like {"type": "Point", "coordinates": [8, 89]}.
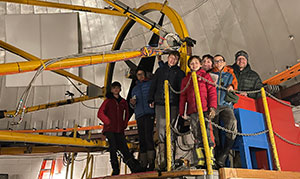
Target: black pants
{"type": "Point", "coordinates": [117, 142]}
{"type": "Point", "coordinates": [196, 130]}
{"type": "Point", "coordinates": [145, 129]}
{"type": "Point", "coordinates": [225, 114]}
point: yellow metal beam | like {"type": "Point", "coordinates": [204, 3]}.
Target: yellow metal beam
{"type": "Point", "coordinates": [20, 67]}
{"type": "Point", "coordinates": [101, 145]}
{"type": "Point", "coordinates": [134, 15]}
{"type": "Point", "coordinates": [31, 57]}
{"type": "Point", "coordinates": [168, 128]}
{"type": "Point", "coordinates": [202, 125]}
{"type": "Point", "coordinates": [49, 140]}
{"type": "Point", "coordinates": [44, 149]}
{"type": "Point", "coordinates": [50, 105]}
{"type": "Point", "coordinates": [66, 6]}
{"type": "Point", "coordinates": [270, 128]}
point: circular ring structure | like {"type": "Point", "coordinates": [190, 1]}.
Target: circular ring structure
{"type": "Point", "coordinates": [174, 18]}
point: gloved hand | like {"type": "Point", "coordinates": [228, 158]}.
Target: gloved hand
{"type": "Point", "coordinates": [212, 113]}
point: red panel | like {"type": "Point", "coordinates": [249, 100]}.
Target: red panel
{"type": "Point", "coordinates": [262, 160]}
{"type": "Point", "coordinates": [246, 103]}
{"type": "Point", "coordinates": [283, 123]}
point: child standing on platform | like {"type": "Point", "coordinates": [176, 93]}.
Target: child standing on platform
{"type": "Point", "coordinates": [209, 104]}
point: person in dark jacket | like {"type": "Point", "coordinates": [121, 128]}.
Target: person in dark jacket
{"type": "Point", "coordinates": [171, 72]}
{"type": "Point", "coordinates": [114, 115]}
{"type": "Point", "coordinates": [227, 79]}
{"type": "Point", "coordinates": [248, 80]}
{"type": "Point", "coordinates": [145, 120]}
{"type": "Point", "coordinates": [208, 96]}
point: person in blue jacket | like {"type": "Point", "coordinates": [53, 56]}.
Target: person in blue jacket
{"type": "Point", "coordinates": [145, 120]}
{"type": "Point", "coordinates": [227, 79]}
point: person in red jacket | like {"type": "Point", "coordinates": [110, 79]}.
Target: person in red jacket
{"type": "Point", "coordinates": [114, 115]}
{"type": "Point", "coordinates": [208, 96]}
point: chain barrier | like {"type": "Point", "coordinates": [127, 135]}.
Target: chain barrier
{"type": "Point", "coordinates": [223, 88]}
{"type": "Point", "coordinates": [221, 128]}
{"type": "Point", "coordinates": [225, 129]}
{"type": "Point", "coordinates": [236, 91]}
{"type": "Point", "coordinates": [178, 92]}
{"type": "Point", "coordinates": [279, 100]}
{"type": "Point", "coordinates": [284, 139]}
{"type": "Point", "coordinates": [235, 132]}
{"type": "Point", "coordinates": [212, 83]}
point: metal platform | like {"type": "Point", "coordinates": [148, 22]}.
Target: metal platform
{"type": "Point", "coordinates": [189, 174]}
{"type": "Point", "coordinates": [223, 173]}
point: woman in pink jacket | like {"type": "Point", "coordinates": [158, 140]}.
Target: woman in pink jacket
{"type": "Point", "coordinates": [208, 95]}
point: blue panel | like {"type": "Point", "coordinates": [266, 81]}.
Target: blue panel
{"type": "Point", "coordinates": [251, 122]}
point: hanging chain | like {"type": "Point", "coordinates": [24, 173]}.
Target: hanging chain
{"type": "Point", "coordinates": [284, 139]}
{"type": "Point", "coordinates": [186, 86]}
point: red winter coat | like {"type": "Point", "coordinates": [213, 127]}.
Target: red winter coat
{"type": "Point", "coordinates": [208, 94]}
{"type": "Point", "coordinates": [114, 115]}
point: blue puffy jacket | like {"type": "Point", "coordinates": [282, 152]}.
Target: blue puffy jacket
{"type": "Point", "coordinates": [224, 79]}
{"type": "Point", "coordinates": [141, 91]}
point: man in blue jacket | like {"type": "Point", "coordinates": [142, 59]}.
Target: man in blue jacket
{"type": "Point", "coordinates": [145, 120]}
{"type": "Point", "coordinates": [227, 79]}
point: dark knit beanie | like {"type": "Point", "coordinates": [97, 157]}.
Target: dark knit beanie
{"type": "Point", "coordinates": [116, 83]}
{"type": "Point", "coordinates": [241, 53]}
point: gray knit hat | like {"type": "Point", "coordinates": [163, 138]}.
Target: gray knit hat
{"type": "Point", "coordinates": [241, 53]}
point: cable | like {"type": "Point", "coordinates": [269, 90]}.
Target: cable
{"type": "Point", "coordinates": [81, 94]}
{"type": "Point", "coordinates": [91, 107]}
{"type": "Point", "coordinates": [75, 86]}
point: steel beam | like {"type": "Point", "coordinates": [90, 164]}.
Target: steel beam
{"type": "Point", "coordinates": [284, 76]}
{"type": "Point", "coordinates": [31, 57]}
{"type": "Point", "coordinates": [66, 6]}
{"type": "Point", "coordinates": [44, 149]}
{"type": "Point", "coordinates": [88, 128]}
{"type": "Point", "coordinates": [50, 105]}
{"type": "Point", "coordinates": [48, 140]}
{"type": "Point", "coordinates": [21, 67]}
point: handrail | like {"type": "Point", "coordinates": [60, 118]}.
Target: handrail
{"type": "Point", "coordinates": [202, 125]}
{"type": "Point", "coordinates": [269, 124]}
{"type": "Point", "coordinates": [168, 132]}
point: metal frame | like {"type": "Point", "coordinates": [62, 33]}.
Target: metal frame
{"type": "Point", "coordinates": [31, 57]}
{"type": "Point", "coordinates": [66, 6]}
{"type": "Point", "coordinates": [175, 19]}
{"type": "Point", "coordinates": [284, 76]}
{"type": "Point", "coordinates": [88, 60]}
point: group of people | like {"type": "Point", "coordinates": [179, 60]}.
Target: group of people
{"type": "Point", "coordinates": [148, 102]}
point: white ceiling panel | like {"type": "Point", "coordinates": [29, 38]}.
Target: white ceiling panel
{"type": "Point", "coordinates": [277, 34]}
{"type": "Point", "coordinates": [290, 12]}
{"type": "Point", "coordinates": [256, 42]}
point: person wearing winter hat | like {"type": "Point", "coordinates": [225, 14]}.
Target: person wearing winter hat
{"type": "Point", "coordinates": [114, 114]}
{"type": "Point", "coordinates": [248, 80]}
